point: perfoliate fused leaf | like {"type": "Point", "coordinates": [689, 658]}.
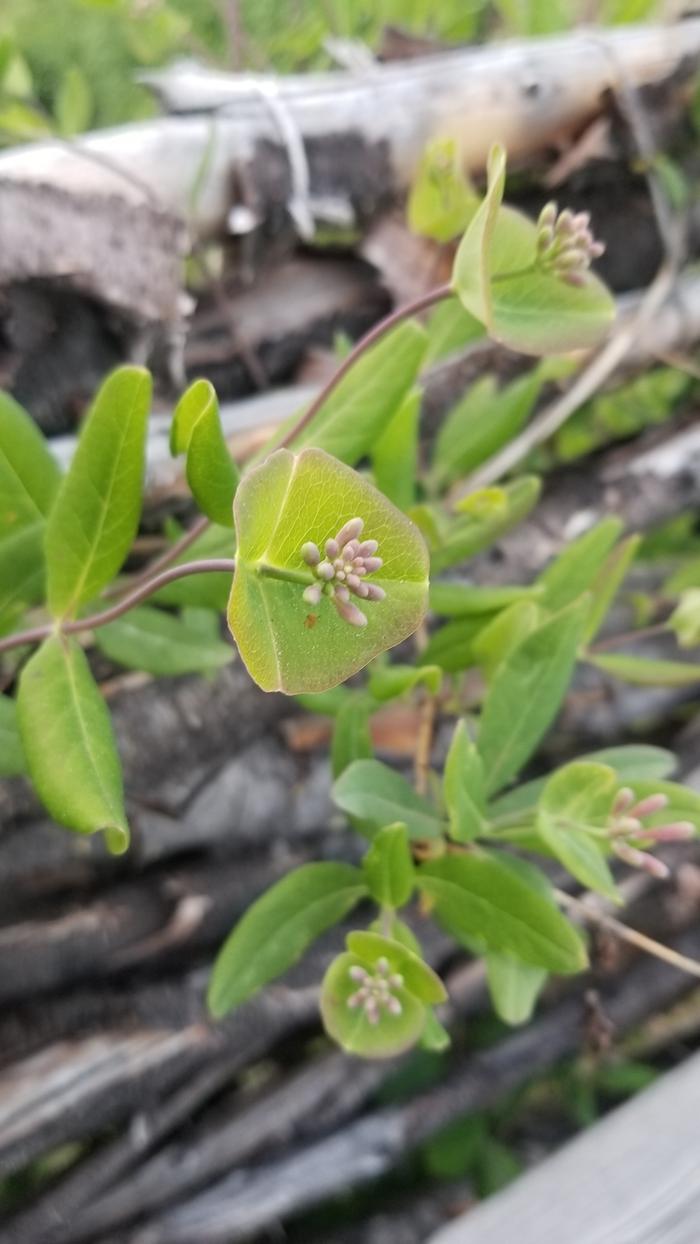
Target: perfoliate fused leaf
{"type": "Point", "coordinates": [527, 307]}
{"type": "Point", "coordinates": [297, 626]}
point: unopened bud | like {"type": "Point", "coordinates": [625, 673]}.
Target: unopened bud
{"type": "Point", "coordinates": [310, 553]}
{"type": "Point", "coordinates": [677, 831]}
{"type": "Point", "coordinates": [312, 594]}
{"type": "Point", "coordinates": [326, 571]}
{"type": "Point", "coordinates": [652, 803]}
{"type": "Point", "coordinates": [350, 531]}
{"type": "Point", "coordinates": [623, 800]}
{"type": "Point", "coordinates": [349, 612]}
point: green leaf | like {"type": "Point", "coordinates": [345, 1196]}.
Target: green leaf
{"type": "Point", "coordinates": [514, 987]}
{"type": "Point", "coordinates": [161, 644]}
{"type": "Point", "coordinates": [631, 761]}
{"type": "Point", "coordinates": [452, 646]}
{"type": "Point", "coordinates": [463, 787]}
{"type": "Point", "coordinates": [274, 933]}
{"type": "Point", "coordinates": [95, 515]}
{"type": "Point", "coordinates": [474, 532]}
{"type": "Point", "coordinates": [387, 682]}
{"type": "Point", "coordinates": [526, 694]}
{"type": "Point", "coordinates": [350, 1026]}
{"type": "Point", "coordinates": [529, 310]}
{"type": "Point", "coordinates": [29, 475]}
{"type": "Point", "coordinates": [12, 760]}
{"type": "Point", "coordinates": [435, 1036]}
{"type": "Point", "coordinates": [450, 328]}
{"type": "Point", "coordinates": [645, 672]}
{"type": "Point", "coordinates": [367, 398]}
{"type": "Point", "coordinates": [441, 201]}
{"type": "Point", "coordinates": [478, 897]}
{"type": "Point", "coordinates": [21, 573]}
{"type": "Point", "coordinates": [607, 582]}
{"type": "Point", "coordinates": [577, 796]}
{"type": "Point", "coordinates": [495, 642]}
{"type": "Point", "coordinates": [458, 600]}
{"type": "Point", "coordinates": [211, 473]}
{"type": "Point", "coordinates": [380, 796]}
{"type": "Point", "coordinates": [419, 979]}
{"type": "Point", "coordinates": [574, 570]}
{"type": "Point", "coordinates": [351, 735]}
{"type": "Point", "coordinates": [395, 453]}
{"type": "Point", "coordinates": [74, 103]}
{"type": "Point", "coordinates": [388, 867]}
{"type": "Point", "coordinates": [327, 703]}
{"type": "Point", "coordinates": [286, 644]}
{"type": "Point", "coordinates": [482, 423]}
{"type": "Point", "coordinates": [69, 743]}
{"type": "Point", "coordinates": [685, 619]}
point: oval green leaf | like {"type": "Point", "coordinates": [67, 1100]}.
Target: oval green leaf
{"type": "Point", "coordinates": [161, 644]}
{"type": "Point", "coordinates": [274, 933]}
{"type": "Point", "coordinates": [380, 796]}
{"type": "Point", "coordinates": [69, 743]}
{"type": "Point", "coordinates": [477, 897]}
{"type": "Point", "coordinates": [29, 475]}
{"type": "Point", "coordinates": [211, 473]}
{"type": "Point", "coordinates": [96, 512]}
{"type": "Point", "coordinates": [12, 762]}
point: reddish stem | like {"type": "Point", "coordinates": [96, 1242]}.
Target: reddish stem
{"type": "Point", "coordinates": [38, 633]}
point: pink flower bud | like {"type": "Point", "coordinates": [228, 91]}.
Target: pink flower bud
{"type": "Point", "coordinates": [676, 831]}
{"type": "Point", "coordinates": [350, 531]}
{"type": "Point", "coordinates": [310, 553]}
{"type": "Point", "coordinates": [652, 803]}
{"type": "Point", "coordinates": [372, 564]}
{"type": "Point", "coordinates": [368, 548]}
{"type": "Point", "coordinates": [623, 800]}
{"type": "Point", "coordinates": [374, 591]}
{"type": "Point", "coordinates": [326, 571]}
{"type": "Point", "coordinates": [332, 549]}
{"type": "Point", "coordinates": [641, 859]}
{"type": "Point", "coordinates": [349, 612]}
{"type": "Point", "coordinates": [312, 594]}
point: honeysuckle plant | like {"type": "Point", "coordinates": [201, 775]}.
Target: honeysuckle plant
{"type": "Point", "coordinates": [320, 551]}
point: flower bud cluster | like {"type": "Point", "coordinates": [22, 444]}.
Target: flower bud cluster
{"type": "Point", "coordinates": [626, 827]}
{"type": "Point", "coordinates": [343, 571]}
{"type": "Point", "coordinates": [565, 245]}
{"type": "Point", "coordinates": [374, 993]}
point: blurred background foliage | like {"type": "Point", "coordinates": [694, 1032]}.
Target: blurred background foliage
{"type": "Point", "coordinates": [71, 65]}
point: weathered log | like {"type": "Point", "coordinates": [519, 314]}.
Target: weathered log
{"type": "Point", "coordinates": [529, 95]}
{"type": "Point", "coordinates": [254, 1198]}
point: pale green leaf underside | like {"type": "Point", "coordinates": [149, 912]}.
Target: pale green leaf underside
{"type": "Point", "coordinates": [161, 644]}
{"type": "Point", "coordinates": [280, 505]}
